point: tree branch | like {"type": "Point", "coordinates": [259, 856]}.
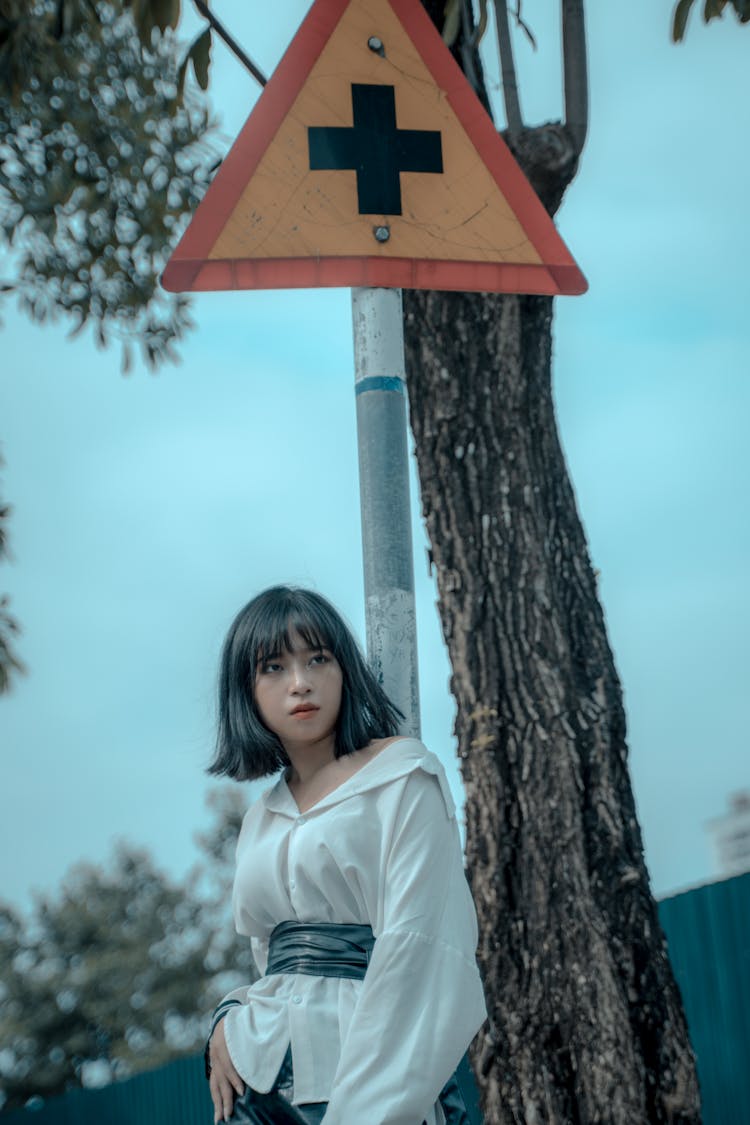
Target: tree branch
{"type": "Point", "coordinates": [232, 43]}
{"type": "Point", "coordinates": [508, 69]}
{"type": "Point", "coordinates": [575, 72]}
{"type": "Point", "coordinates": [469, 54]}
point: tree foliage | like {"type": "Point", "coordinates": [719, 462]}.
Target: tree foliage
{"type": "Point", "coordinates": [10, 663]}
{"type": "Point", "coordinates": [103, 157]}
{"type": "Point", "coordinates": [712, 9]}
{"type": "Point", "coordinates": [117, 972]}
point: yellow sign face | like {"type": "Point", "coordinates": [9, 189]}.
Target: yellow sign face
{"type": "Point", "coordinates": [289, 211]}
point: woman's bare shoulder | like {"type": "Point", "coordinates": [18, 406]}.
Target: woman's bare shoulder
{"type": "Point", "coordinates": [378, 745]}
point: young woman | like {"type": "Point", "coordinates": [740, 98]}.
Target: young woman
{"type": "Point", "coordinates": [350, 884]}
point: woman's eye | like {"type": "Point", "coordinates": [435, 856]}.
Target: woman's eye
{"type": "Point", "coordinates": [270, 666]}
{"type": "Point", "coordinates": [319, 658]}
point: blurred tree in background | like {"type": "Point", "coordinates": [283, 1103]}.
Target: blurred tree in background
{"type": "Point", "coordinates": [103, 157]}
{"type": "Point", "coordinates": [118, 971]}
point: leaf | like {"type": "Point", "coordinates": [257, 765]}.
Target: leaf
{"type": "Point", "coordinates": [200, 54]}
{"type": "Point", "coordinates": [77, 328]}
{"type": "Point", "coordinates": [680, 18]}
{"type": "Point", "coordinates": [165, 13]}
{"type": "Point", "coordinates": [181, 74]}
{"type": "Point", "coordinates": [713, 9]}
{"type": "Point", "coordinates": [127, 359]}
{"type": "Point", "coordinates": [452, 22]}
{"type": "Point", "coordinates": [143, 20]}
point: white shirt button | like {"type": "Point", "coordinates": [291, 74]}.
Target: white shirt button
{"type": "Point", "coordinates": [296, 999]}
{"type": "Point", "coordinates": [300, 820]}
{"type": "Point", "coordinates": [292, 884]}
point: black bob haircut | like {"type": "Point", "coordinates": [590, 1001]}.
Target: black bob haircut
{"type": "Point", "coordinates": [245, 748]}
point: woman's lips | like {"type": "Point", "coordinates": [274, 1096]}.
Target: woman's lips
{"type": "Point", "coordinates": [304, 712]}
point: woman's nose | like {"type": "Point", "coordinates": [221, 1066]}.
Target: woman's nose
{"type": "Point", "coordinates": [299, 680]}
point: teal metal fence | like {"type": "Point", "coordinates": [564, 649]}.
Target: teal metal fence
{"type": "Point", "coordinates": [176, 1094]}
{"type": "Point", "coordinates": [708, 934]}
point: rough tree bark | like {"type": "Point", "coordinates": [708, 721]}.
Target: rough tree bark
{"type": "Point", "coordinates": [586, 1022]}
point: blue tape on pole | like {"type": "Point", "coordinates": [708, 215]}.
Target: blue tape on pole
{"type": "Point", "coordinates": [379, 383]}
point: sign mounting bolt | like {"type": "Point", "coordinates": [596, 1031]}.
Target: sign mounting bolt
{"type": "Point", "coordinates": [376, 46]}
{"type": "Point", "coordinates": [382, 234]}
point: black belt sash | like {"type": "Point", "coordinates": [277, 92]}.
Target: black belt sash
{"type": "Point", "coordinates": [320, 949]}
{"type": "Point", "coordinates": [330, 949]}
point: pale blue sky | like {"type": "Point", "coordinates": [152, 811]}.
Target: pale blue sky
{"type": "Point", "coordinates": [148, 509]}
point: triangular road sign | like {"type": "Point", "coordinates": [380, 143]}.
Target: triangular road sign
{"type": "Point", "coordinates": [369, 161]}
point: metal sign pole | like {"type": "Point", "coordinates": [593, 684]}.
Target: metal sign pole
{"type": "Point", "coordinates": [380, 389]}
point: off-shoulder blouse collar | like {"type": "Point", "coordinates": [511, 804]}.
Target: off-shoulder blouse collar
{"type": "Point", "coordinates": [394, 761]}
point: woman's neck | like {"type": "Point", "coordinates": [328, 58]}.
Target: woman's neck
{"type": "Point", "coordinates": [307, 760]}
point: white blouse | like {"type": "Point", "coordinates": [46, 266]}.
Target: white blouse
{"type": "Point", "coordinates": [383, 849]}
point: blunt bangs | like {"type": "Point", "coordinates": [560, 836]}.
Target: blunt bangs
{"type": "Point", "coordinates": [245, 748]}
{"type": "Point", "coordinates": [274, 635]}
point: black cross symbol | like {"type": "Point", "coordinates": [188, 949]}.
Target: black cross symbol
{"type": "Point", "coordinates": [375, 149]}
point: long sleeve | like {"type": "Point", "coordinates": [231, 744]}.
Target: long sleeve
{"type": "Point", "coordinates": [236, 997]}
{"type": "Point", "coordinates": [421, 1002]}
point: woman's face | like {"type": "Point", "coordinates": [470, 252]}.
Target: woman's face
{"type": "Point", "coordinates": [298, 692]}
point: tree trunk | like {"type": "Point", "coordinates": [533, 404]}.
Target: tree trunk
{"type": "Point", "coordinates": [586, 1023]}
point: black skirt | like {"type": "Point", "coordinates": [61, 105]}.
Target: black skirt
{"type": "Point", "coordinates": [275, 1107]}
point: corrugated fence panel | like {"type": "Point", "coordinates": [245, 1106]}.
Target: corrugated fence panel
{"type": "Point", "coordinates": [176, 1094]}
{"type": "Point", "coordinates": [708, 934]}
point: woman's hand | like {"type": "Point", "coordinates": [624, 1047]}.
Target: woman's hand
{"type": "Point", "coordinates": [224, 1082]}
